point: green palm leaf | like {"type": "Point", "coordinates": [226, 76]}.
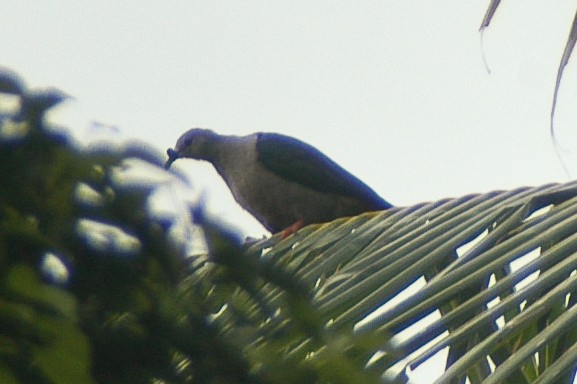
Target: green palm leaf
{"type": "Point", "coordinates": [462, 251]}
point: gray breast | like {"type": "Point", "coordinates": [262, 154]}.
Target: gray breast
{"type": "Point", "coordinates": [274, 201]}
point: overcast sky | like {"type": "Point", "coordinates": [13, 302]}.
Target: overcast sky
{"type": "Point", "coordinates": [395, 91]}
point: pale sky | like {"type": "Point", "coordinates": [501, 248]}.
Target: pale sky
{"type": "Point", "coordinates": [394, 91]}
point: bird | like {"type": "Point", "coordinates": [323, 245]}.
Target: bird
{"type": "Point", "coordinates": [283, 182]}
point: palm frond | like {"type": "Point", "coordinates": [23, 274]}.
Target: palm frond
{"type": "Point", "coordinates": [464, 252]}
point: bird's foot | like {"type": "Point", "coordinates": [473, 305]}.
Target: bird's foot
{"type": "Point", "coordinates": [291, 229]}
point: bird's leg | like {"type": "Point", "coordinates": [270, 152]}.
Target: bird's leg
{"type": "Point", "coordinates": [291, 229]}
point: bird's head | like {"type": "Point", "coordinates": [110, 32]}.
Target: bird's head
{"type": "Point", "coordinates": [196, 143]}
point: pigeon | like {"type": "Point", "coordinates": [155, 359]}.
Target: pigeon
{"type": "Point", "coordinates": [283, 182]}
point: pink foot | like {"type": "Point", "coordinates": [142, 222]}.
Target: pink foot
{"type": "Point", "coordinates": [291, 229]}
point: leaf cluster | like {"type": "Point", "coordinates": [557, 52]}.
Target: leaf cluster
{"type": "Point", "coordinates": [94, 289]}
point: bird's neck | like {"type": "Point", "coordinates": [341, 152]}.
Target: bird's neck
{"type": "Point", "coordinates": [233, 155]}
{"type": "Point", "coordinates": [221, 150]}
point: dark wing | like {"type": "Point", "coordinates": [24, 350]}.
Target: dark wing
{"type": "Point", "coordinates": [302, 163]}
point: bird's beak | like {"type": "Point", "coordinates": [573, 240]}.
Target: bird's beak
{"type": "Point", "coordinates": [172, 157]}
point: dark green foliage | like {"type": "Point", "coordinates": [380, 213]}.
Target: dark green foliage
{"type": "Point", "coordinates": [130, 306]}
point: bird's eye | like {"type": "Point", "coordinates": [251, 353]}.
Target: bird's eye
{"type": "Point", "coordinates": [188, 141]}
